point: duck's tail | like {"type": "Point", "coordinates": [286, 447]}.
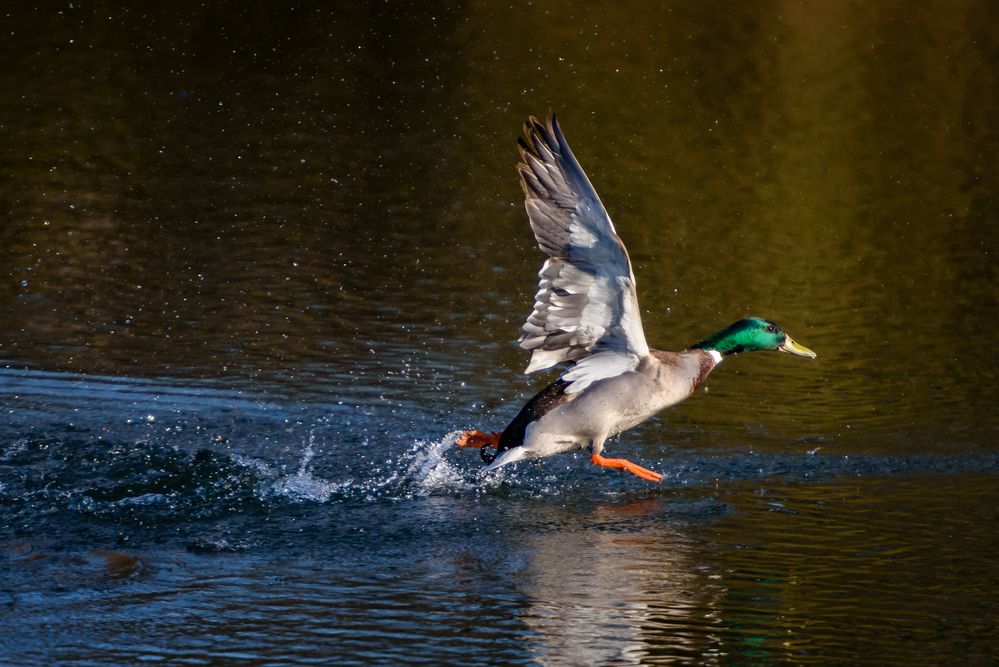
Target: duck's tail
{"type": "Point", "coordinates": [505, 457]}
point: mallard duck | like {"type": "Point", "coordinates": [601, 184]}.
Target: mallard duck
{"type": "Point", "coordinates": [586, 315]}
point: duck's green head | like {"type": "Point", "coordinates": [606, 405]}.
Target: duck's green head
{"type": "Point", "coordinates": [753, 333]}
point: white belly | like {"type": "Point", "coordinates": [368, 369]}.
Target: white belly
{"type": "Point", "coordinates": [607, 408]}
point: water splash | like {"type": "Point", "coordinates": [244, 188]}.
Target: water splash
{"type": "Point", "coordinates": [424, 468]}
{"type": "Point", "coordinates": [429, 471]}
{"type": "Point", "coordinates": [303, 485]}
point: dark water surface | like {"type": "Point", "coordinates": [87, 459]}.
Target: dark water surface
{"type": "Point", "coordinates": [258, 265]}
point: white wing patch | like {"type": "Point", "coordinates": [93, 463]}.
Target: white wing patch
{"type": "Point", "coordinates": [598, 367]}
{"type": "Point", "coordinates": [580, 236]}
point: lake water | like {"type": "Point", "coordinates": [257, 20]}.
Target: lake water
{"type": "Point", "coordinates": [259, 265]}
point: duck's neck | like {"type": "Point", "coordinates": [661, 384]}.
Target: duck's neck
{"type": "Point", "coordinates": [725, 342]}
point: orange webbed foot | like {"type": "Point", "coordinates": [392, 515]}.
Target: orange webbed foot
{"type": "Point", "coordinates": [478, 439]}
{"type": "Point", "coordinates": [627, 466]}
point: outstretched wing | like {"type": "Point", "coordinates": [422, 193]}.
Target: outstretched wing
{"type": "Point", "coordinates": [586, 306]}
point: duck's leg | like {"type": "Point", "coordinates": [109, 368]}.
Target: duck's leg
{"type": "Point", "coordinates": [597, 446]}
{"type": "Point", "coordinates": [624, 464]}
{"type": "Point", "coordinates": [478, 439]}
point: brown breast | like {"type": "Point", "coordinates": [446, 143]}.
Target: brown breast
{"type": "Point", "coordinates": [694, 366]}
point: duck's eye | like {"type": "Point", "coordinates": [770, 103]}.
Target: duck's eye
{"type": "Point", "coordinates": [771, 328]}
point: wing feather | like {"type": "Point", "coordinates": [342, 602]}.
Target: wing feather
{"type": "Point", "coordinates": [586, 304]}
